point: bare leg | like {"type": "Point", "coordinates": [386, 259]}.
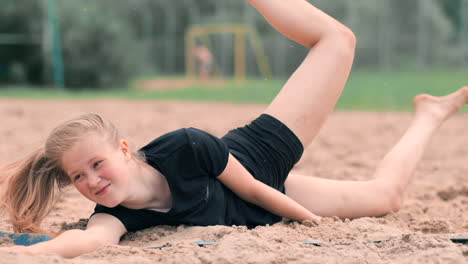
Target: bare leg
{"type": "Point", "coordinates": [382, 194]}
{"type": "Point", "coordinates": [311, 93]}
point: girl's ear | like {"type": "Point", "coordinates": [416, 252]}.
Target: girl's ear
{"type": "Point", "coordinates": [125, 149]}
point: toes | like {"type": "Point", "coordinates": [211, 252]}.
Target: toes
{"type": "Point", "coordinates": [465, 90]}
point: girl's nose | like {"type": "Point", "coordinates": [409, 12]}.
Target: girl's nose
{"type": "Point", "coordinates": [93, 180]}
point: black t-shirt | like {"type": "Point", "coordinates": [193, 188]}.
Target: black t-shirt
{"type": "Point", "coordinates": [191, 159]}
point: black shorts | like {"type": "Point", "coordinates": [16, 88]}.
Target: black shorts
{"type": "Point", "coordinates": [267, 148]}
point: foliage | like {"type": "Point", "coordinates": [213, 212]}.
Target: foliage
{"type": "Point", "coordinates": [14, 12]}
{"type": "Point", "coordinates": [98, 46]}
{"type": "Point", "coordinates": [106, 43]}
{"type": "Point", "coordinates": [452, 8]}
{"type": "Point", "coordinates": [20, 63]}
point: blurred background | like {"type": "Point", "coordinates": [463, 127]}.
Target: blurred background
{"type": "Point", "coordinates": [222, 50]}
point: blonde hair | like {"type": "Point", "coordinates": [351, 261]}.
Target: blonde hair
{"type": "Point", "coordinates": [32, 184]}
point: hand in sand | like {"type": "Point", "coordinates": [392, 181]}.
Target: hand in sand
{"type": "Point", "coordinates": [311, 223]}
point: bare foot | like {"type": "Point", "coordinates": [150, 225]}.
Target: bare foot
{"type": "Point", "coordinates": [440, 108]}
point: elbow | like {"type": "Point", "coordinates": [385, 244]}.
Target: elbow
{"type": "Point", "coordinates": [89, 243]}
{"type": "Point", "coordinates": [84, 243]}
{"type": "Point", "coordinates": [96, 242]}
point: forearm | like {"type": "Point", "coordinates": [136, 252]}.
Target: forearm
{"type": "Point", "coordinates": [242, 183]}
{"type": "Point", "coordinates": [298, 20]}
{"type": "Point", "coordinates": [69, 244]}
{"type": "Point", "coordinates": [280, 204]}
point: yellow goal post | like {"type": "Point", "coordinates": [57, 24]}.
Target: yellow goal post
{"type": "Point", "coordinates": [241, 33]}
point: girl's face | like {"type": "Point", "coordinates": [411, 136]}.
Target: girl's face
{"type": "Point", "coordinates": [98, 169]}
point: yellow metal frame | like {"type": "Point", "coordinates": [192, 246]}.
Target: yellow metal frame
{"type": "Point", "coordinates": [241, 32]}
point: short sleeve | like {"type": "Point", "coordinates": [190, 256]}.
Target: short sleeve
{"type": "Point", "coordinates": [132, 219]}
{"type": "Point", "coordinates": [210, 152]}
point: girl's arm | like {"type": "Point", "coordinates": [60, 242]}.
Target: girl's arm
{"type": "Point", "coordinates": [102, 229]}
{"type": "Point", "coordinates": [242, 183]}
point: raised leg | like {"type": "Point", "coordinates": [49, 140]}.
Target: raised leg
{"type": "Point", "coordinates": [311, 93]}
{"type": "Point", "coordinates": [383, 193]}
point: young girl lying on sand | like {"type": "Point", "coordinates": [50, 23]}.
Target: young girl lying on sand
{"type": "Point", "coordinates": [191, 177]}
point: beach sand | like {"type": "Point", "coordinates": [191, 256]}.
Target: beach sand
{"type": "Point", "coordinates": [349, 146]}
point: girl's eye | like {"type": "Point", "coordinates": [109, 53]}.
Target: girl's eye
{"type": "Point", "coordinates": [78, 177]}
{"type": "Point", "coordinates": [97, 163]}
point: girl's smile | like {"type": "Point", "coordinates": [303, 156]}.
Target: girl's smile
{"type": "Point", "coordinates": [108, 175]}
{"type": "Point", "coordinates": [98, 169]}
{"type": "Point", "coordinates": [103, 190]}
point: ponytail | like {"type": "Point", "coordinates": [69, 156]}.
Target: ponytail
{"type": "Point", "coordinates": [31, 190]}
{"type": "Point", "coordinates": [31, 185]}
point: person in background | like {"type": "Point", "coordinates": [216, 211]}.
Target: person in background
{"type": "Point", "coordinates": [204, 59]}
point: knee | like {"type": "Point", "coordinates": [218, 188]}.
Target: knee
{"type": "Point", "coordinates": [394, 202]}
{"type": "Point", "coordinates": [346, 36]}
{"type": "Point", "coordinates": [343, 39]}
{"type": "Point", "coordinates": [390, 198]}
{"type": "Point", "coordinates": [349, 39]}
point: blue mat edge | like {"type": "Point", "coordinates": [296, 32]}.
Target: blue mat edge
{"type": "Point", "coordinates": [25, 239]}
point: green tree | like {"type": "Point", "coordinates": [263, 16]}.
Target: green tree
{"type": "Point", "coordinates": [100, 48]}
